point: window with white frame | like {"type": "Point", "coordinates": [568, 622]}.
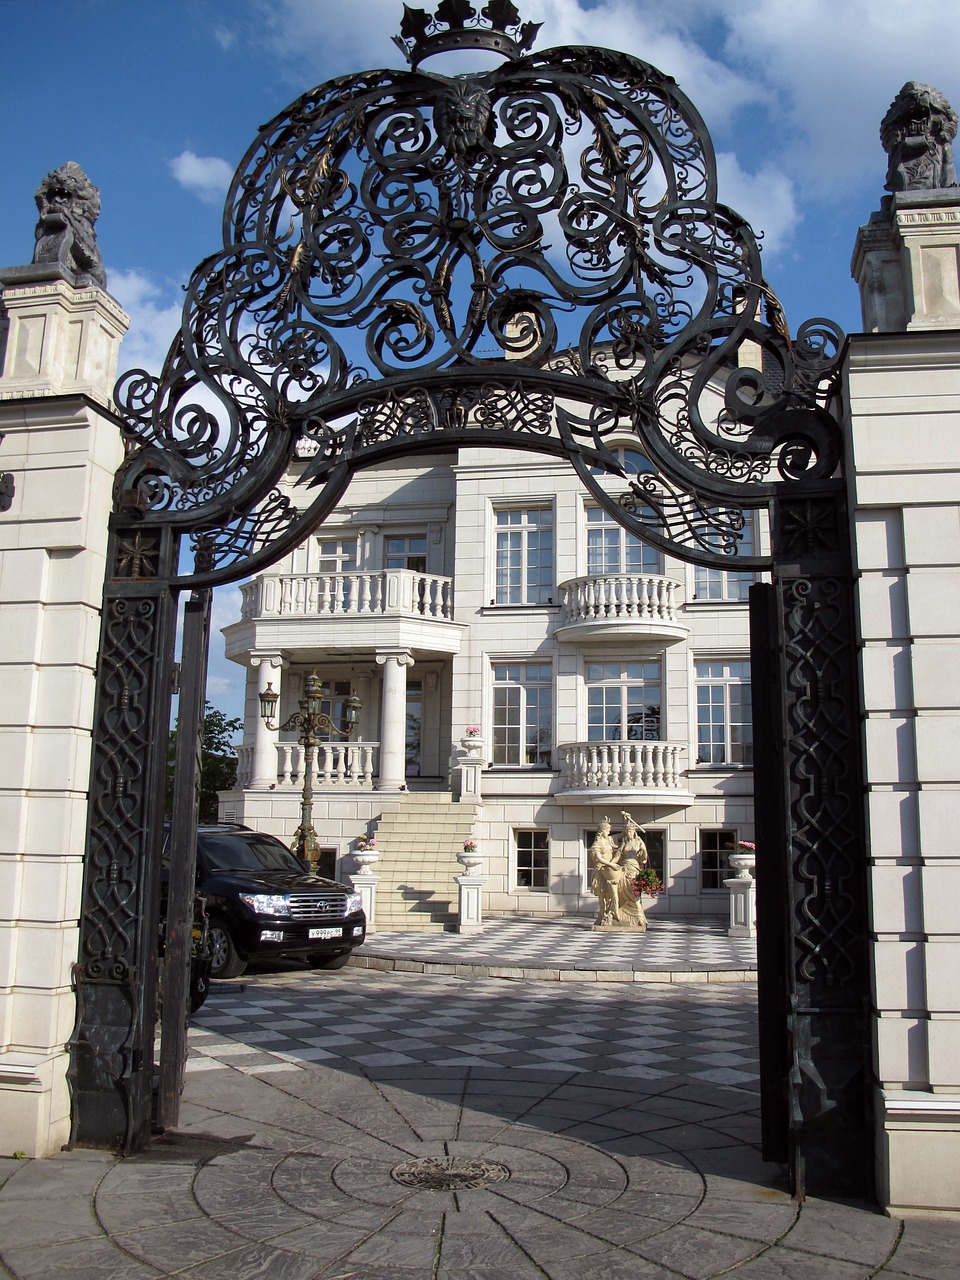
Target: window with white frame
{"type": "Point", "coordinates": [337, 555]}
{"type": "Point", "coordinates": [715, 846]}
{"type": "Point", "coordinates": [533, 860]}
{"type": "Point", "coordinates": [633, 461]}
{"type": "Point", "coordinates": [406, 551]}
{"type": "Point", "coordinates": [524, 555]}
{"type": "Point", "coordinates": [522, 714]}
{"type": "Point", "coordinates": [612, 549]}
{"type": "Point", "coordinates": [724, 712]}
{"type": "Point", "coordinates": [728, 584]}
{"type": "Point", "coordinates": [623, 701]}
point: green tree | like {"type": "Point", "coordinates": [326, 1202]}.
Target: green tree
{"type": "Point", "coordinates": [218, 760]}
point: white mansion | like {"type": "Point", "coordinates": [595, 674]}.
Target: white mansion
{"type": "Point", "coordinates": [481, 589]}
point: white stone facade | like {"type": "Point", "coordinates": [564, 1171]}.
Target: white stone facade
{"type": "Point", "coordinates": [60, 356]}
{"type": "Point", "coordinates": [903, 460]}
{"type": "Point", "coordinates": [397, 597]}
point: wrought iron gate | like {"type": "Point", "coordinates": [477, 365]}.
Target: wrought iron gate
{"type": "Point", "coordinates": [532, 257]}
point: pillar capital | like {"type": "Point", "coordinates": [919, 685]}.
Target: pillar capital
{"type": "Point", "coordinates": [275, 660]}
{"type": "Point", "coordinates": [402, 657]}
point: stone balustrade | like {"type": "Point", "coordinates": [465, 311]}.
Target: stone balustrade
{"type": "Point", "coordinates": [619, 595]}
{"type": "Point", "coordinates": [389, 592]}
{"type": "Point", "coordinates": [349, 765]}
{"type": "Point", "coordinates": [620, 766]}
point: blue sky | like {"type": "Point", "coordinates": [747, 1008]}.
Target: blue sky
{"type": "Point", "coordinates": [159, 99]}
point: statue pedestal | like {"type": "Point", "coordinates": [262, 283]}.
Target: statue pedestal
{"type": "Point", "coordinates": [626, 926]}
{"type": "Point", "coordinates": [906, 263]}
{"type": "Point", "coordinates": [365, 883]}
{"type": "Point", "coordinates": [470, 903]}
{"type": "Point", "coordinates": [743, 907]}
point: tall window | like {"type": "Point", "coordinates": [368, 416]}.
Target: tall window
{"type": "Point", "coordinates": [714, 847]}
{"type": "Point", "coordinates": [337, 555]}
{"type": "Point", "coordinates": [522, 713]}
{"type": "Point", "coordinates": [406, 552]}
{"type": "Point", "coordinates": [524, 555]}
{"type": "Point", "coordinates": [727, 584]}
{"type": "Point", "coordinates": [724, 713]}
{"type": "Point", "coordinates": [533, 860]}
{"type": "Point", "coordinates": [623, 701]}
{"type": "Point", "coordinates": [611, 549]}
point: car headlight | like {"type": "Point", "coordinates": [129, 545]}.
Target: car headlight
{"type": "Point", "coordinates": [267, 904]}
{"type": "Point", "coordinates": [354, 903]}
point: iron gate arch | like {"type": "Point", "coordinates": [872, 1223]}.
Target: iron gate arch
{"type": "Point", "coordinates": [533, 257]}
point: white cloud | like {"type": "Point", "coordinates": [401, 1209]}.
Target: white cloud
{"type": "Point", "coordinates": [225, 38]}
{"type": "Point", "coordinates": [154, 318]}
{"type": "Point", "coordinates": [766, 199]}
{"type": "Point", "coordinates": [207, 177]}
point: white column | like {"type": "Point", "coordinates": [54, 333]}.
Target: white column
{"type": "Point", "coordinates": [60, 361]}
{"type": "Point", "coordinates": [393, 718]}
{"type": "Point", "coordinates": [264, 773]}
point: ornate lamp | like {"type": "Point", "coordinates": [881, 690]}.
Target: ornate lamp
{"type": "Point", "coordinates": [312, 723]}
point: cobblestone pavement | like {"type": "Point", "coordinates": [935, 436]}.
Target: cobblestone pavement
{"type": "Point", "coordinates": [306, 1151]}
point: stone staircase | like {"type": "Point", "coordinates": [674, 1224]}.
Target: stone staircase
{"type": "Point", "coordinates": [419, 841]}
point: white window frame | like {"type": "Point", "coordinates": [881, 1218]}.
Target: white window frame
{"type": "Point", "coordinates": [717, 586]}
{"type": "Point", "coordinates": [723, 682]}
{"type": "Point", "coordinates": [521, 722]}
{"type": "Point", "coordinates": [598, 520]}
{"type": "Point", "coordinates": [517, 833]}
{"type": "Point", "coordinates": [622, 682]}
{"type": "Point", "coordinates": [525, 533]}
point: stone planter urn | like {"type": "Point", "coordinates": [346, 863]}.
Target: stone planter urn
{"type": "Point", "coordinates": [471, 860]}
{"type": "Point", "coordinates": [366, 856]}
{"type": "Point", "coordinates": [742, 863]}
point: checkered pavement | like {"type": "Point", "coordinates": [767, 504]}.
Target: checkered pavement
{"type": "Point", "coordinates": [369, 1022]}
{"type": "Point", "coordinates": [679, 944]}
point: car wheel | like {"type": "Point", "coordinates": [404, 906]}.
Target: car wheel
{"type": "Point", "coordinates": [224, 962]}
{"type": "Point", "coordinates": [328, 962]}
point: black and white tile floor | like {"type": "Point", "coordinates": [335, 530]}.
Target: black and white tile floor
{"type": "Point", "coordinates": [683, 945]}
{"type": "Point", "coordinates": [365, 1021]}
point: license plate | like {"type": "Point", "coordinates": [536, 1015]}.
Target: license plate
{"type": "Point", "coordinates": [324, 933]}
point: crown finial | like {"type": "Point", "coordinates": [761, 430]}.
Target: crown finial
{"type": "Point", "coordinates": [457, 25]}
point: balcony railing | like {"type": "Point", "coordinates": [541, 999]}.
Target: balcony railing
{"type": "Point", "coordinates": [343, 765]}
{"type": "Point", "coordinates": [619, 597]}
{"type": "Point", "coordinates": [390, 592]}
{"type": "Point", "coordinates": [620, 766]}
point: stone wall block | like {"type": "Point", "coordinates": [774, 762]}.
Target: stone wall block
{"type": "Point", "coordinates": [937, 736]}
{"type": "Point", "coordinates": [943, 1051]}
{"type": "Point", "coordinates": [938, 810]}
{"type": "Point", "coordinates": [897, 898]}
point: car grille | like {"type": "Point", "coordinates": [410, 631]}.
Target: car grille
{"type": "Point", "coordinates": [318, 906]}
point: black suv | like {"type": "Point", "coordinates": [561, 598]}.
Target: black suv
{"type": "Point", "coordinates": [263, 905]}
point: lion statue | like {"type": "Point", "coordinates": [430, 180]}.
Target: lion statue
{"type": "Point", "coordinates": [917, 133]}
{"type": "Point", "coordinates": [69, 205]}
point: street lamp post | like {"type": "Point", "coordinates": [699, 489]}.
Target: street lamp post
{"type": "Point", "coordinates": [311, 722]}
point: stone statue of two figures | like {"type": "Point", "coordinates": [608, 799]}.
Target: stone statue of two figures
{"type": "Point", "coordinates": [615, 865]}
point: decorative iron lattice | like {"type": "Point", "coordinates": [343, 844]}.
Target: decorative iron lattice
{"type": "Point", "coordinates": [534, 254]}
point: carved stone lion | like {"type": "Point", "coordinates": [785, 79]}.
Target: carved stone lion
{"type": "Point", "coordinates": [917, 133]}
{"type": "Point", "coordinates": [69, 205]}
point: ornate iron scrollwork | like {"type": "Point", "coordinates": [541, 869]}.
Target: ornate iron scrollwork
{"type": "Point", "coordinates": [535, 252]}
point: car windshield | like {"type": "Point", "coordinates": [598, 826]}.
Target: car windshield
{"type": "Point", "coordinates": [246, 851]}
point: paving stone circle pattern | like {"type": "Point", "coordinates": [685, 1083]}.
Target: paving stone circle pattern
{"type": "Point", "coordinates": [357, 1125]}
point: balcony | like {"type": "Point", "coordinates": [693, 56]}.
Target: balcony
{"type": "Point", "coordinates": [346, 611]}
{"type": "Point", "coordinates": [622, 772]}
{"type": "Point", "coordinates": [341, 766]}
{"type": "Point", "coordinates": [612, 606]}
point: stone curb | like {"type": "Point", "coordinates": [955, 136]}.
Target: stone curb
{"type": "Point", "coordinates": [389, 964]}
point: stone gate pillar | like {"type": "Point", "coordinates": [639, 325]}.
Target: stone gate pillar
{"type": "Point", "coordinates": [61, 449]}
{"type": "Point", "coordinates": [903, 469]}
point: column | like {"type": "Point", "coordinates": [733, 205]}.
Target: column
{"type": "Point", "coordinates": [264, 771]}
{"type": "Point", "coordinates": [61, 453]}
{"type": "Point", "coordinates": [393, 718]}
